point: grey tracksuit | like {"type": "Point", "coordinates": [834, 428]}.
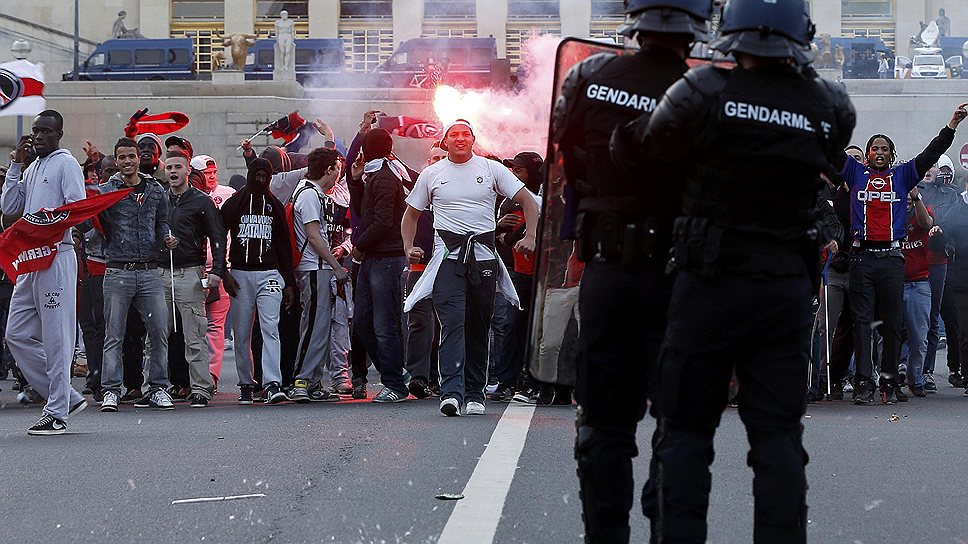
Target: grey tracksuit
{"type": "Point", "coordinates": [42, 324]}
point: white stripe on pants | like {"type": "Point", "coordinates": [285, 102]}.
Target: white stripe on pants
{"type": "Point", "coordinates": [42, 327]}
{"type": "Point", "coordinates": [315, 325]}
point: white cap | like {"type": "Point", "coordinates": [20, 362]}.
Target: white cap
{"type": "Point", "coordinates": [200, 162]}
{"type": "Point", "coordinates": [945, 161]}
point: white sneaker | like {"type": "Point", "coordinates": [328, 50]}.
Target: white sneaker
{"type": "Point", "coordinates": [491, 388]}
{"type": "Point", "coordinates": [110, 402]}
{"type": "Point", "coordinates": [450, 407]}
{"type": "Point", "coordinates": [475, 409]}
{"type": "Point", "coordinates": [161, 400]}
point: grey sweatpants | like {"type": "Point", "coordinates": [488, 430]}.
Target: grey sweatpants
{"type": "Point", "coordinates": [262, 290]}
{"type": "Point", "coordinates": [315, 325]}
{"type": "Point", "coordinates": [41, 329]}
{"type": "Point", "coordinates": [339, 364]}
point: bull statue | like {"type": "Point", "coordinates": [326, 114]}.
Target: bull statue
{"type": "Point", "coordinates": [238, 45]}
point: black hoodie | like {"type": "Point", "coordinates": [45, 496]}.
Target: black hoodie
{"type": "Point", "coordinates": [256, 220]}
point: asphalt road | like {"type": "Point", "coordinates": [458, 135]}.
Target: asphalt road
{"type": "Point", "coordinates": [355, 472]}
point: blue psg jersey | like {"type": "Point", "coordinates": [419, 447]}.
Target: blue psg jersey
{"type": "Point", "coordinates": [878, 200]}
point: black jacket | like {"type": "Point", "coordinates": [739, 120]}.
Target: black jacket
{"type": "Point", "coordinates": [381, 212]}
{"type": "Point", "coordinates": [256, 221]}
{"type": "Point", "coordinates": [194, 220]}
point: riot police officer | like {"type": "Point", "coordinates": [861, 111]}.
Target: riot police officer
{"type": "Point", "coordinates": [624, 231]}
{"type": "Point", "coordinates": [757, 136]}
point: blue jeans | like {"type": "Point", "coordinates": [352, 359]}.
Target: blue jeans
{"type": "Point", "coordinates": [917, 320]}
{"type": "Point", "coordinates": [936, 279]}
{"type": "Point", "coordinates": [145, 290]}
{"type": "Point", "coordinates": [379, 305]}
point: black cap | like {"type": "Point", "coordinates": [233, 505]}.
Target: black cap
{"type": "Point", "coordinates": [180, 142]}
{"type": "Point", "coordinates": [525, 159]}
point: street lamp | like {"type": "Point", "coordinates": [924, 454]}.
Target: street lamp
{"type": "Point", "coordinates": [20, 50]}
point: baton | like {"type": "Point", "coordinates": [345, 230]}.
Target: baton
{"type": "Point", "coordinates": [171, 255]}
{"type": "Point", "coordinates": [256, 135]}
{"type": "Point", "coordinates": [826, 317]}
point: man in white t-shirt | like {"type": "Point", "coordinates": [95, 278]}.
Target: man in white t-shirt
{"type": "Point", "coordinates": [464, 273]}
{"type": "Point", "coordinates": [314, 272]}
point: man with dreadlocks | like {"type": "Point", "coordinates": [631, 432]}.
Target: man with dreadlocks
{"type": "Point", "coordinates": [878, 217]}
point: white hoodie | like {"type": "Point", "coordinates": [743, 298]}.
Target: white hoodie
{"type": "Point", "coordinates": [49, 182]}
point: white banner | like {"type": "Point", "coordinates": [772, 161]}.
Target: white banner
{"type": "Point", "coordinates": [22, 88]}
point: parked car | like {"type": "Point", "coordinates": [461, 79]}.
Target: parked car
{"type": "Point", "coordinates": [929, 67]}
{"type": "Point", "coordinates": [317, 60]}
{"type": "Point", "coordinates": [463, 62]}
{"type": "Point", "coordinates": [139, 59]}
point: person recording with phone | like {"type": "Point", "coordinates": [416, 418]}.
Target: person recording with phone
{"type": "Point", "coordinates": [195, 223]}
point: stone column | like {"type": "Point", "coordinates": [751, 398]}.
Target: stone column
{"type": "Point", "coordinates": [576, 18]}
{"type": "Point", "coordinates": [155, 20]}
{"type": "Point", "coordinates": [907, 13]}
{"type": "Point", "coordinates": [239, 16]}
{"type": "Point", "coordinates": [828, 17]}
{"type": "Point", "coordinates": [492, 20]}
{"type": "Point", "coordinates": [407, 20]}
{"type": "Point", "coordinates": [323, 18]}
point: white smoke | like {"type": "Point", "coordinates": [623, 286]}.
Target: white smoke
{"type": "Point", "coordinates": [507, 122]}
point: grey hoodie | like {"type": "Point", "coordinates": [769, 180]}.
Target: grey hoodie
{"type": "Point", "coordinates": [49, 182]}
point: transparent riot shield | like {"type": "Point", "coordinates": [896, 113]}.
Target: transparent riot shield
{"type": "Point", "coordinates": [554, 320]}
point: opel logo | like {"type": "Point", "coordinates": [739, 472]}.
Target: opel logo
{"type": "Point", "coordinates": [11, 87]}
{"type": "Point", "coordinates": [878, 183]}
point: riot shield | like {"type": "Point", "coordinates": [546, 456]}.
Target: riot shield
{"type": "Point", "coordinates": [553, 327]}
{"type": "Point", "coordinates": [554, 320]}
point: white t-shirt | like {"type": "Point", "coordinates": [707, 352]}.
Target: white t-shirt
{"type": "Point", "coordinates": [306, 209]}
{"type": "Point", "coordinates": [463, 196]}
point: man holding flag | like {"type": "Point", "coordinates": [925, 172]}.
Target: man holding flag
{"type": "Point", "coordinates": [42, 322]}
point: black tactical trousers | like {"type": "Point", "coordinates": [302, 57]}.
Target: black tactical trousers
{"type": "Point", "coordinates": [877, 294]}
{"type": "Point", "coordinates": [623, 322]}
{"type": "Point", "coordinates": [762, 327]}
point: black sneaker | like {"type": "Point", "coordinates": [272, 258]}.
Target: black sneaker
{"type": "Point", "coordinates": [389, 395]}
{"type": "Point", "coordinates": [47, 425]}
{"type": "Point", "coordinates": [274, 394]}
{"type": "Point", "coordinates": [899, 394]}
{"type": "Point", "coordinates": [837, 391]}
{"type": "Point", "coordinates": [956, 380]}
{"type": "Point", "coordinates": [918, 391]}
{"type": "Point", "coordinates": [196, 400]}
{"type": "Point", "coordinates": [359, 391]}
{"type": "Point", "coordinates": [504, 393]}
{"type": "Point", "coordinates": [929, 384]}
{"type": "Point", "coordinates": [419, 388]}
{"type": "Point", "coordinates": [132, 396]}
{"type": "Point", "coordinates": [864, 393]}
{"type": "Point", "coordinates": [318, 394]}
{"type": "Point", "coordinates": [528, 396]}
{"type": "Point", "coordinates": [887, 394]}
{"type": "Point", "coordinates": [179, 393]}
{"type": "Point", "coordinates": [245, 394]}
{"type": "Point", "coordinates": [78, 407]}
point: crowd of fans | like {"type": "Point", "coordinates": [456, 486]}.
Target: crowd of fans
{"type": "Point", "coordinates": [281, 266]}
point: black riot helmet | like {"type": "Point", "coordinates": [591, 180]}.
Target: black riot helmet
{"type": "Point", "coordinates": [667, 16]}
{"type": "Point", "coordinates": [766, 28]}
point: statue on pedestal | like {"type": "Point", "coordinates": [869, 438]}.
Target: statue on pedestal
{"type": "Point", "coordinates": [239, 44]}
{"type": "Point", "coordinates": [285, 48]}
{"type": "Point", "coordinates": [120, 32]}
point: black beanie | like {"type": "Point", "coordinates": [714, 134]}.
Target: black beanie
{"type": "Point", "coordinates": [377, 143]}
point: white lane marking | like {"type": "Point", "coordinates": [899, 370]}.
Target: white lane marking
{"type": "Point", "coordinates": [475, 518]}
{"type": "Point", "coordinates": [219, 499]}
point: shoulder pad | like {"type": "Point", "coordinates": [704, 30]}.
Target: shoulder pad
{"type": "Point", "coordinates": [708, 80]}
{"type": "Point", "coordinates": [844, 113]}
{"type": "Point", "coordinates": [577, 78]}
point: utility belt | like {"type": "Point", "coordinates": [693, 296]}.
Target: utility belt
{"type": "Point", "coordinates": [615, 237]}
{"type": "Point", "coordinates": [708, 249]}
{"type": "Point", "coordinates": [151, 265]}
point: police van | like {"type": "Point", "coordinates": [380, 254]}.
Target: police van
{"type": "Point", "coordinates": [461, 62]}
{"type": "Point", "coordinates": [139, 59]}
{"type": "Point", "coordinates": [319, 62]}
